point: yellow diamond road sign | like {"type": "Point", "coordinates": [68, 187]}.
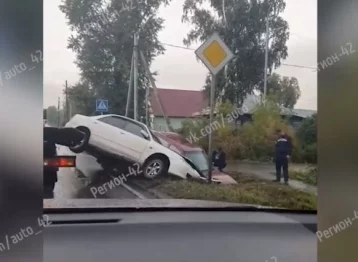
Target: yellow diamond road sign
{"type": "Point", "coordinates": [214, 53]}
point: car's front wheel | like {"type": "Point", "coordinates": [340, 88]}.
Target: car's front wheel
{"type": "Point", "coordinates": [155, 167]}
{"type": "Point", "coordinates": [82, 145]}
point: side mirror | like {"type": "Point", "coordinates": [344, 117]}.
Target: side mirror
{"type": "Point", "coordinates": [144, 134]}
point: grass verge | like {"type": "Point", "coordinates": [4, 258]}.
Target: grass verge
{"type": "Point", "coordinates": [249, 190]}
{"type": "Point", "coordinates": [307, 176]}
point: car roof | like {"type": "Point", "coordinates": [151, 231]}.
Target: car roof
{"type": "Point", "coordinates": [178, 141]}
{"type": "Point", "coordinates": [124, 117]}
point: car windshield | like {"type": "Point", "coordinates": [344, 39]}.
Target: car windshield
{"type": "Point", "coordinates": [199, 159]}
{"type": "Point", "coordinates": [118, 69]}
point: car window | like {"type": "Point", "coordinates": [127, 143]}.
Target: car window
{"type": "Point", "coordinates": [199, 159]}
{"type": "Point", "coordinates": [134, 129]}
{"type": "Point", "coordinates": [114, 121]}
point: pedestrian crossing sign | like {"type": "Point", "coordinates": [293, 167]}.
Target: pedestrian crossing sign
{"type": "Point", "coordinates": [101, 105]}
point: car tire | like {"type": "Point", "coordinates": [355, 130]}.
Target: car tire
{"type": "Point", "coordinates": [81, 147]}
{"type": "Point", "coordinates": [155, 167]}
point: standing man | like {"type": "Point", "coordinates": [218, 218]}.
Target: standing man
{"type": "Point", "coordinates": [219, 159]}
{"type": "Point", "coordinates": [283, 151]}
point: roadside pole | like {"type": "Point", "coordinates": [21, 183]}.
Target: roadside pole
{"type": "Point", "coordinates": [67, 105]}
{"type": "Point", "coordinates": [135, 75]}
{"type": "Point", "coordinates": [130, 86]}
{"type": "Point", "coordinates": [152, 82]}
{"type": "Point", "coordinates": [266, 59]}
{"type": "Point", "coordinates": [58, 113]}
{"type": "Point", "coordinates": [212, 92]}
{"type": "Point", "coordinates": [215, 55]}
{"type": "Point", "coordinates": [146, 105]}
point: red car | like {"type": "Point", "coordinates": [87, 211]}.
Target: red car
{"type": "Point", "coordinates": [194, 153]}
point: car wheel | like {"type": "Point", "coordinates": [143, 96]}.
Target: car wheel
{"type": "Point", "coordinates": [80, 147]}
{"type": "Point", "coordinates": [155, 167]}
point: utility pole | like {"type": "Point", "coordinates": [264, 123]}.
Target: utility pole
{"type": "Point", "coordinates": [135, 75]}
{"type": "Point", "coordinates": [146, 105]}
{"type": "Point", "coordinates": [58, 113]}
{"type": "Point", "coordinates": [67, 105]}
{"type": "Point", "coordinates": [130, 86]}
{"type": "Point", "coordinates": [152, 82]}
{"type": "Point", "coordinates": [266, 58]}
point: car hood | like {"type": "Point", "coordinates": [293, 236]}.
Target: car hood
{"type": "Point", "coordinates": [74, 204]}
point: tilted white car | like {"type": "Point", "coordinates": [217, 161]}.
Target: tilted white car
{"type": "Point", "coordinates": [133, 141]}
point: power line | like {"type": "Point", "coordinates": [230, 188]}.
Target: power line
{"type": "Point", "coordinates": [284, 64]}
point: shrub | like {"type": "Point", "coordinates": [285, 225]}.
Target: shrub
{"type": "Point", "coordinates": [259, 136]}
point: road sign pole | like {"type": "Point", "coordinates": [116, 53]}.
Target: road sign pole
{"type": "Point", "coordinates": [215, 54]}
{"type": "Point", "coordinates": [212, 95]}
{"type": "Point", "coordinates": [135, 76]}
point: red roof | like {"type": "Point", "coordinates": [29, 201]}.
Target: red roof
{"type": "Point", "coordinates": [178, 103]}
{"type": "Point", "coordinates": [178, 141]}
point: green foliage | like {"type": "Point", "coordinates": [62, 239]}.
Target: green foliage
{"type": "Point", "coordinates": [308, 176]}
{"type": "Point", "coordinates": [244, 33]}
{"type": "Point", "coordinates": [307, 132]}
{"type": "Point", "coordinates": [103, 42]}
{"type": "Point", "coordinates": [52, 115]}
{"type": "Point", "coordinates": [307, 135]}
{"type": "Point", "coordinates": [286, 89]}
{"type": "Point", "coordinates": [259, 136]}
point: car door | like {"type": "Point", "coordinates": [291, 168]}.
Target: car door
{"type": "Point", "coordinates": [135, 143]}
{"type": "Point", "coordinates": [110, 130]}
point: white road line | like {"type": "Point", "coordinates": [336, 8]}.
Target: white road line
{"type": "Point", "coordinates": [133, 191]}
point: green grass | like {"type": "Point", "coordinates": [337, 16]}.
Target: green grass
{"type": "Point", "coordinates": [249, 190]}
{"type": "Point", "coordinates": [307, 176]}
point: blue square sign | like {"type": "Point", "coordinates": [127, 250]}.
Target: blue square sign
{"type": "Point", "coordinates": [101, 105]}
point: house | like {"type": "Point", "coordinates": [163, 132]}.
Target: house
{"type": "Point", "coordinates": [296, 116]}
{"type": "Point", "coordinates": [187, 104]}
{"type": "Point", "coordinates": [178, 106]}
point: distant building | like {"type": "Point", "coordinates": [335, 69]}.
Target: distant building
{"type": "Point", "coordinates": [186, 104]}
{"type": "Point", "coordinates": [178, 106]}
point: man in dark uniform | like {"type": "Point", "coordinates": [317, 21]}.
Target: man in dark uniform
{"type": "Point", "coordinates": [283, 151]}
{"type": "Point", "coordinates": [219, 159]}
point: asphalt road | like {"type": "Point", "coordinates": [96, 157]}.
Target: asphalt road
{"type": "Point", "coordinates": [87, 181]}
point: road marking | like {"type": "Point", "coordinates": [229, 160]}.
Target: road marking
{"type": "Point", "coordinates": [139, 195]}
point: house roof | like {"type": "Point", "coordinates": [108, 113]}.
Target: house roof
{"type": "Point", "coordinates": [178, 103]}
{"type": "Point", "coordinates": [252, 101]}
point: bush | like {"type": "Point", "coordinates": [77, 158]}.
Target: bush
{"type": "Point", "coordinates": [259, 136]}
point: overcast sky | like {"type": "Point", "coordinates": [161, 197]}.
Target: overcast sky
{"type": "Point", "coordinates": [178, 68]}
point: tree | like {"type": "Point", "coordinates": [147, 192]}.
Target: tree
{"type": "Point", "coordinates": [52, 115]}
{"type": "Point", "coordinates": [244, 33]}
{"type": "Point", "coordinates": [285, 88]}
{"type": "Point", "coordinates": [103, 41]}
{"type": "Point", "coordinates": [307, 135]}
{"type": "Point", "coordinates": [307, 132]}
{"type": "Point", "coordinates": [258, 137]}
{"type": "Point", "coordinates": [82, 98]}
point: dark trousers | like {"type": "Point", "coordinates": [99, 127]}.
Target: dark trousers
{"type": "Point", "coordinates": [282, 164]}
{"type": "Point", "coordinates": [219, 165]}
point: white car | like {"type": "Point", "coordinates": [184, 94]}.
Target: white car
{"type": "Point", "coordinates": [133, 141]}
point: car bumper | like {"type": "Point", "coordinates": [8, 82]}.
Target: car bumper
{"type": "Point", "coordinates": [182, 169]}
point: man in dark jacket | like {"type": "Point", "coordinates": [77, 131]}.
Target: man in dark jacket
{"type": "Point", "coordinates": [219, 159]}
{"type": "Point", "coordinates": [283, 151]}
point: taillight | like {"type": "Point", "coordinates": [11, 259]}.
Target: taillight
{"type": "Point", "coordinates": [60, 161]}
